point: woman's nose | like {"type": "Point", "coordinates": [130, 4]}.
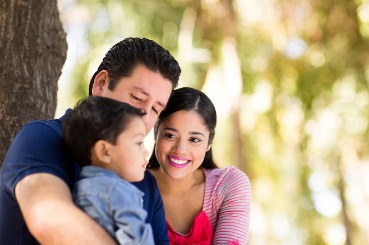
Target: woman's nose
{"type": "Point", "coordinates": [180, 146]}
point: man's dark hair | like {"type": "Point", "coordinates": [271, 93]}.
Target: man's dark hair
{"type": "Point", "coordinates": [124, 56]}
{"type": "Point", "coordinates": [95, 118]}
{"type": "Point", "coordinates": [190, 99]}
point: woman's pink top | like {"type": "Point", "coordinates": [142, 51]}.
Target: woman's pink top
{"type": "Point", "coordinates": [226, 208]}
{"type": "Point", "coordinates": [201, 232]}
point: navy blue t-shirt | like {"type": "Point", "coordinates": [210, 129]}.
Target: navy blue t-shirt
{"type": "Point", "coordinates": [39, 148]}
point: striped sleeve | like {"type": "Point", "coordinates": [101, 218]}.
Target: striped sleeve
{"type": "Point", "coordinates": [228, 205]}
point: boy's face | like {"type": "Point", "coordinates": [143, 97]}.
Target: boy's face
{"type": "Point", "coordinates": [144, 89]}
{"type": "Point", "coordinates": [128, 155]}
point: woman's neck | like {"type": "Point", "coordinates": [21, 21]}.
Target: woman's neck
{"type": "Point", "coordinates": [171, 185]}
{"type": "Point", "coordinates": [183, 198]}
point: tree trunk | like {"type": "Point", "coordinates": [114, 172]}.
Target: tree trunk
{"type": "Point", "coordinates": [33, 50]}
{"type": "Point", "coordinates": [232, 72]}
{"type": "Point", "coordinates": [341, 186]}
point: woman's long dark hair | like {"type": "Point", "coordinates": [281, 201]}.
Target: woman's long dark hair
{"type": "Point", "coordinates": [190, 99]}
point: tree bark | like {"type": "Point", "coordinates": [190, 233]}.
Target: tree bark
{"type": "Point", "coordinates": [33, 49]}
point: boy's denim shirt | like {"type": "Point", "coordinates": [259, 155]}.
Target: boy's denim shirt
{"type": "Point", "coordinates": [114, 203]}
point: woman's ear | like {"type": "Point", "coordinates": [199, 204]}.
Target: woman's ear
{"type": "Point", "coordinates": [209, 147]}
{"type": "Point", "coordinates": [101, 83]}
{"type": "Point", "coordinates": [101, 152]}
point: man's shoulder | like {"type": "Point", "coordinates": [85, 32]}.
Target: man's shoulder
{"type": "Point", "coordinates": [35, 135]}
{"type": "Point", "coordinates": [44, 128]}
{"type": "Point", "coordinates": [39, 126]}
{"type": "Point", "coordinates": [38, 148]}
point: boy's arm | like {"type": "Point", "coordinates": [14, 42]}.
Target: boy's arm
{"type": "Point", "coordinates": [51, 216]}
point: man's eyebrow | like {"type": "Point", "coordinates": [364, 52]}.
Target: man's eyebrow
{"type": "Point", "coordinates": [147, 94]}
{"type": "Point", "coordinates": [161, 104]}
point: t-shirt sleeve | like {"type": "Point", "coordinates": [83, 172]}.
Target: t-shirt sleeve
{"type": "Point", "coordinates": [234, 194]}
{"type": "Point", "coordinates": [37, 148]}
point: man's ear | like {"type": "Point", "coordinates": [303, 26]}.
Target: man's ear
{"type": "Point", "coordinates": [101, 152]}
{"type": "Point", "coordinates": [101, 83]}
{"type": "Point", "coordinates": [209, 147]}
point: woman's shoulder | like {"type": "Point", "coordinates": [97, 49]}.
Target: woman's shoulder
{"type": "Point", "coordinates": [227, 172]}
{"type": "Point", "coordinates": [226, 176]}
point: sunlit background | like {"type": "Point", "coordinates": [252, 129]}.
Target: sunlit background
{"type": "Point", "coordinates": [289, 79]}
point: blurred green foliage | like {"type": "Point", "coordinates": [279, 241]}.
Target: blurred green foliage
{"type": "Point", "coordinates": [298, 123]}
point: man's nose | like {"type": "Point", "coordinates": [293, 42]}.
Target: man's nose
{"type": "Point", "coordinates": [149, 122]}
{"type": "Point", "coordinates": [146, 117]}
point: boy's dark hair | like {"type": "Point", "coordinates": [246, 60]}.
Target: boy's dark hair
{"type": "Point", "coordinates": [124, 56]}
{"type": "Point", "coordinates": [190, 99]}
{"type": "Point", "coordinates": [95, 118]}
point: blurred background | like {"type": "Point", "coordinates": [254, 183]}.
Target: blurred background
{"type": "Point", "coordinates": [289, 79]}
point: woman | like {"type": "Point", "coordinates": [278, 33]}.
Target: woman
{"type": "Point", "coordinates": [203, 203]}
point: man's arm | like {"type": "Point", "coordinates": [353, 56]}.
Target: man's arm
{"type": "Point", "coordinates": [51, 216]}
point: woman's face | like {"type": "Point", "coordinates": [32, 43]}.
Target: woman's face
{"type": "Point", "coordinates": [181, 143]}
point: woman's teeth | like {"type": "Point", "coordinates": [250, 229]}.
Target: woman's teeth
{"type": "Point", "coordinates": [178, 161]}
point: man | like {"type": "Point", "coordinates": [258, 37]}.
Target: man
{"type": "Point", "coordinates": [38, 172]}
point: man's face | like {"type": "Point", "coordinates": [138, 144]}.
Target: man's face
{"type": "Point", "coordinates": [144, 89]}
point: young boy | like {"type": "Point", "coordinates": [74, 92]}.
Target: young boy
{"type": "Point", "coordinates": [106, 137]}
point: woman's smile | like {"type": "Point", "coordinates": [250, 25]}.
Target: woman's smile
{"type": "Point", "coordinates": [178, 162]}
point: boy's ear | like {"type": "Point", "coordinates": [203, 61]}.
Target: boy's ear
{"type": "Point", "coordinates": [101, 151]}
{"type": "Point", "coordinates": [101, 83]}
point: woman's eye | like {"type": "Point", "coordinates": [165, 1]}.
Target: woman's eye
{"type": "Point", "coordinates": [169, 136]}
{"type": "Point", "coordinates": [195, 140]}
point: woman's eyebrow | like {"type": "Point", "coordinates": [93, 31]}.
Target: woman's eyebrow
{"type": "Point", "coordinates": [171, 129]}
{"type": "Point", "coordinates": [191, 132]}
{"type": "Point", "coordinates": [196, 133]}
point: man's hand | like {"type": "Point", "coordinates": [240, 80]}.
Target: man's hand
{"type": "Point", "coordinates": [51, 216]}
